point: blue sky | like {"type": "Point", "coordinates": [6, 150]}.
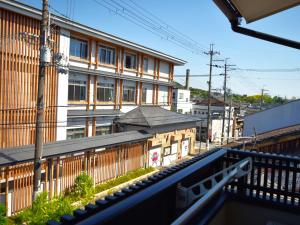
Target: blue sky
{"type": "Point", "coordinates": [202, 21]}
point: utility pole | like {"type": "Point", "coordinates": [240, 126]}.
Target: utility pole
{"type": "Point", "coordinates": [224, 109]}
{"type": "Point", "coordinates": [45, 59]}
{"type": "Point", "coordinates": [229, 119]}
{"type": "Point", "coordinates": [226, 67]}
{"type": "Point", "coordinates": [211, 53]}
{"type": "Point", "coordinates": [262, 97]}
{"type": "Point", "coordinates": [187, 79]}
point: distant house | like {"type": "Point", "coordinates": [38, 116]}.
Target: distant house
{"type": "Point", "coordinates": [174, 133]}
{"type": "Point", "coordinates": [200, 109]}
{"type": "Point", "coordinates": [181, 101]}
{"type": "Point", "coordinates": [282, 116]}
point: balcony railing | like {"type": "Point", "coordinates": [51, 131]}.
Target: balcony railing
{"type": "Point", "coordinates": [274, 180]}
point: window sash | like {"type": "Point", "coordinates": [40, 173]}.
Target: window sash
{"type": "Point", "coordinates": [145, 65]}
{"type": "Point", "coordinates": [107, 55]}
{"type": "Point", "coordinates": [75, 133]}
{"type": "Point", "coordinates": [130, 61]}
{"type": "Point", "coordinates": [77, 90]}
{"type": "Point", "coordinates": [105, 92]}
{"type": "Point", "coordinates": [129, 94]}
{"type": "Point", "coordinates": [78, 48]}
{"type": "Point", "coordinates": [102, 130]}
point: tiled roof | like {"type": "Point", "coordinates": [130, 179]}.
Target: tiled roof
{"type": "Point", "coordinates": [26, 153]}
{"type": "Point", "coordinates": [153, 116]}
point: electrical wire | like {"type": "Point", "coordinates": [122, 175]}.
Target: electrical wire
{"type": "Point", "coordinates": [137, 19]}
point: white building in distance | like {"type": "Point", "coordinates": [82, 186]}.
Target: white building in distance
{"type": "Point", "coordinates": [181, 101]}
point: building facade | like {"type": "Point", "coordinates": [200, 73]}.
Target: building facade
{"type": "Point", "coordinates": [200, 109]}
{"type": "Point", "coordinates": [106, 76]}
{"type": "Point", "coordinates": [181, 101]}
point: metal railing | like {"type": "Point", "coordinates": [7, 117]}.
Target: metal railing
{"type": "Point", "coordinates": [273, 177]}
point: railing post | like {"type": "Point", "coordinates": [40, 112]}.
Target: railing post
{"type": "Point", "coordinates": [50, 169]}
{"type": "Point", "coordinates": [7, 190]}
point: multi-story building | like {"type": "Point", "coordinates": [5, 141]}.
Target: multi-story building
{"type": "Point", "coordinates": [107, 76]}
{"type": "Point", "coordinates": [181, 101]}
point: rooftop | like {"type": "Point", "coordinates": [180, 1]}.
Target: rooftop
{"type": "Point", "coordinates": [154, 116]}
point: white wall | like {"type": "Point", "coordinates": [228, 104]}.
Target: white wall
{"type": "Point", "coordinates": [149, 92]}
{"type": "Point", "coordinates": [183, 104]}
{"type": "Point", "coordinates": [150, 66]}
{"type": "Point", "coordinates": [162, 95]}
{"type": "Point", "coordinates": [164, 69]}
{"type": "Point", "coordinates": [62, 89]}
{"type": "Point", "coordinates": [216, 129]}
{"type": "Point", "coordinates": [271, 119]}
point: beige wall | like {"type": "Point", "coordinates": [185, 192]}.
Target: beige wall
{"type": "Point", "coordinates": [166, 139]}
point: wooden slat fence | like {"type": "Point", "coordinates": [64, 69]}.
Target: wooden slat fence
{"type": "Point", "coordinates": [59, 173]}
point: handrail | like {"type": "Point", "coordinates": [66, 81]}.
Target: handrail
{"type": "Point", "coordinates": [233, 172]}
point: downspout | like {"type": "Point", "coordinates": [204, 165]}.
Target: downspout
{"type": "Point", "coordinates": [264, 36]}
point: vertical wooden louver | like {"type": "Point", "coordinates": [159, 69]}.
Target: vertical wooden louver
{"type": "Point", "coordinates": [19, 58]}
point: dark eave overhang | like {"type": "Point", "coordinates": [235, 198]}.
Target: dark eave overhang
{"type": "Point", "coordinates": [234, 18]}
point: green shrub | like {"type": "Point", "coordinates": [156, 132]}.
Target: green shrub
{"type": "Point", "coordinates": [43, 210]}
{"type": "Point", "coordinates": [3, 218]}
{"type": "Point", "coordinates": [123, 179]}
{"type": "Point", "coordinates": [83, 188]}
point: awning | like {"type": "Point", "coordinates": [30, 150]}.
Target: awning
{"type": "Point", "coordinates": [253, 10]}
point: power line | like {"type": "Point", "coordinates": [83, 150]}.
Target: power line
{"type": "Point", "coordinates": [270, 70]}
{"type": "Point", "coordinates": [167, 25]}
{"type": "Point", "coordinates": [150, 25]}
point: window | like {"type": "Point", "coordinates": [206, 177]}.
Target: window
{"type": "Point", "coordinates": [105, 92]}
{"type": "Point", "coordinates": [77, 90]}
{"type": "Point", "coordinates": [107, 55]}
{"type": "Point", "coordinates": [78, 48]}
{"type": "Point", "coordinates": [75, 133]}
{"type": "Point", "coordinates": [167, 151]}
{"type": "Point", "coordinates": [181, 96]}
{"type": "Point", "coordinates": [145, 65]}
{"type": "Point", "coordinates": [144, 95]}
{"type": "Point", "coordinates": [128, 93]}
{"type": "Point", "coordinates": [130, 61]}
{"type": "Point", "coordinates": [102, 130]}
{"type": "Point", "coordinates": [179, 111]}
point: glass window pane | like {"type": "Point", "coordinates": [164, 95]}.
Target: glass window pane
{"type": "Point", "coordinates": [77, 93]}
{"type": "Point", "coordinates": [102, 55]}
{"type": "Point", "coordinates": [82, 93]}
{"type": "Point", "coordinates": [108, 57]}
{"type": "Point", "coordinates": [71, 92]}
{"type": "Point", "coordinates": [146, 65]}
{"type": "Point", "coordinates": [128, 62]}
